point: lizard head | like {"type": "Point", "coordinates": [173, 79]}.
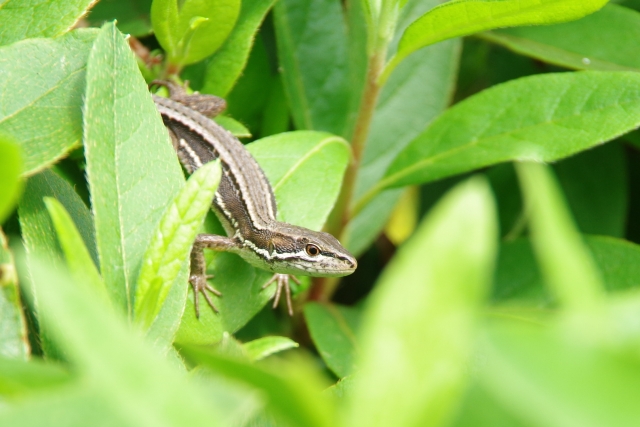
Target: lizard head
{"type": "Point", "coordinates": [298, 250]}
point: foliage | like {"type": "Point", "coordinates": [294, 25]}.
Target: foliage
{"type": "Point", "coordinates": [513, 301]}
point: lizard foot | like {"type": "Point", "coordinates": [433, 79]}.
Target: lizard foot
{"type": "Point", "coordinates": [200, 286]}
{"type": "Point", "coordinates": [282, 281]}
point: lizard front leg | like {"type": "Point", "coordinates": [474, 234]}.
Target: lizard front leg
{"type": "Point", "coordinates": [198, 277]}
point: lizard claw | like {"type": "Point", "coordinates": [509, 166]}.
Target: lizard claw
{"type": "Point", "coordinates": [282, 281]}
{"type": "Point", "coordinates": [200, 286]}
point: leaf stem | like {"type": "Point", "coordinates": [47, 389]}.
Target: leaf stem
{"type": "Point", "coordinates": [323, 288]}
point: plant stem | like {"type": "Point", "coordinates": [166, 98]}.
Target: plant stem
{"type": "Point", "coordinates": [323, 288]}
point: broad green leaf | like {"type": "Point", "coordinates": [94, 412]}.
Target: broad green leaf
{"type": "Point", "coordinates": [595, 184]}
{"type": "Point", "coordinates": [132, 169]}
{"type": "Point", "coordinates": [344, 387]}
{"type": "Point", "coordinates": [463, 17]}
{"type": "Point", "coordinates": [13, 328]}
{"type": "Point", "coordinates": [38, 232]}
{"type": "Point", "coordinates": [19, 377]}
{"type": "Point", "coordinates": [518, 277]}
{"type": "Point", "coordinates": [554, 382]}
{"type": "Point", "coordinates": [138, 384]}
{"type": "Point", "coordinates": [266, 346]}
{"type": "Point", "coordinates": [248, 99]}
{"type": "Point", "coordinates": [242, 297]}
{"type": "Point", "coordinates": [333, 330]}
{"type": "Point", "coordinates": [43, 82]}
{"type": "Point", "coordinates": [313, 57]}
{"type": "Point", "coordinates": [305, 170]}
{"type": "Point", "coordinates": [77, 406]}
{"type": "Point", "coordinates": [193, 29]}
{"type": "Point", "coordinates": [291, 390]}
{"type": "Point", "coordinates": [419, 91]}
{"type": "Point", "coordinates": [633, 138]}
{"type": "Point", "coordinates": [132, 17]}
{"type": "Point", "coordinates": [363, 229]}
{"type": "Point", "coordinates": [276, 113]}
{"type": "Point", "coordinates": [480, 409]}
{"type": "Point", "coordinates": [226, 65]}
{"type": "Point", "coordinates": [171, 244]}
{"type": "Point", "coordinates": [10, 170]}
{"type": "Point", "coordinates": [632, 4]}
{"type": "Point", "coordinates": [542, 118]}
{"type": "Point", "coordinates": [603, 41]}
{"type": "Point", "coordinates": [25, 20]}
{"type": "Point", "coordinates": [504, 184]}
{"type": "Point", "coordinates": [565, 262]}
{"type": "Point", "coordinates": [79, 261]}
{"type": "Point", "coordinates": [235, 127]}
{"type": "Point", "coordinates": [417, 331]}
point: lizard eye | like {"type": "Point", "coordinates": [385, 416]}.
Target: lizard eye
{"type": "Point", "coordinates": [312, 250]}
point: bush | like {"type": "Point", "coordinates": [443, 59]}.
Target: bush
{"type": "Point", "coordinates": [511, 299]}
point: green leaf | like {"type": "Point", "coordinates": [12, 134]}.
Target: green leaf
{"type": "Point", "coordinates": [417, 331]}
{"type": "Point", "coordinates": [463, 17]}
{"type": "Point", "coordinates": [518, 277]}
{"type": "Point", "coordinates": [226, 65]}
{"type": "Point", "coordinates": [603, 41]}
{"type": "Point", "coordinates": [235, 127]}
{"type": "Point", "coordinates": [247, 101]}
{"type": "Point", "coordinates": [551, 381]}
{"type": "Point", "coordinates": [275, 118]}
{"type": "Point", "coordinates": [193, 30]}
{"type": "Point", "coordinates": [38, 232]}
{"type": "Point", "coordinates": [18, 377]}
{"type": "Point", "coordinates": [13, 327]}
{"type": "Point", "coordinates": [313, 57]}
{"type": "Point", "coordinates": [10, 169]}
{"type": "Point", "coordinates": [480, 409]}
{"type": "Point", "coordinates": [79, 261]}
{"type": "Point", "coordinates": [43, 82]}
{"type": "Point", "coordinates": [138, 384]}
{"type": "Point", "coordinates": [595, 184]}
{"type": "Point", "coordinates": [67, 407]}
{"type": "Point", "coordinates": [266, 346]}
{"type": "Point", "coordinates": [132, 169]}
{"type": "Point", "coordinates": [242, 297]}
{"type": "Point", "coordinates": [171, 244]}
{"type": "Point", "coordinates": [333, 330]}
{"type": "Point", "coordinates": [291, 390]}
{"type": "Point", "coordinates": [132, 17]}
{"type": "Point", "coordinates": [344, 387]}
{"type": "Point", "coordinates": [305, 170]}
{"type": "Point", "coordinates": [565, 262]}
{"type": "Point", "coordinates": [24, 20]}
{"type": "Point", "coordinates": [363, 229]}
{"type": "Point", "coordinates": [543, 118]}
